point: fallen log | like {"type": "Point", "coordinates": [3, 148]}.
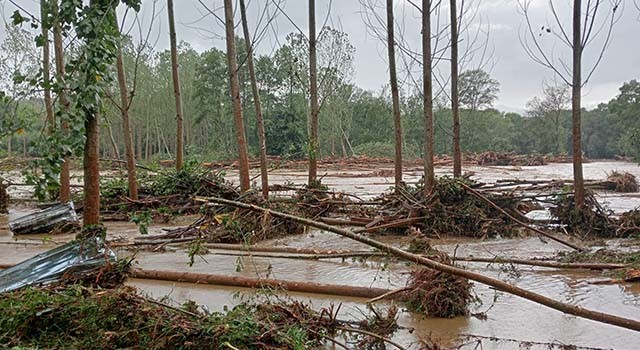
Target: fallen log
{"type": "Point", "coordinates": [542, 263]}
{"type": "Point", "coordinates": [499, 285]}
{"type": "Point", "coordinates": [245, 282]}
{"type": "Point", "coordinates": [305, 256]}
{"type": "Point", "coordinates": [267, 249]}
{"type": "Point", "coordinates": [519, 222]}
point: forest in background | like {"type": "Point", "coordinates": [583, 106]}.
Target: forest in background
{"type": "Point", "coordinates": [352, 120]}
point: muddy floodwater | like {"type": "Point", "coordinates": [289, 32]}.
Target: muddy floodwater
{"type": "Point", "coordinates": [507, 317]}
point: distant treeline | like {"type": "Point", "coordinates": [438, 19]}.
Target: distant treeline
{"type": "Point", "coordinates": [352, 120]}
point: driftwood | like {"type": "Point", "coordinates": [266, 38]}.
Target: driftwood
{"type": "Point", "coordinates": [245, 282]}
{"type": "Point", "coordinates": [519, 222]}
{"type": "Point", "coordinates": [305, 256]}
{"type": "Point", "coordinates": [499, 285]}
{"type": "Point", "coordinates": [542, 263]}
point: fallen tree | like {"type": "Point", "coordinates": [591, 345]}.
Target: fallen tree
{"type": "Point", "coordinates": [499, 285]}
{"type": "Point", "coordinates": [245, 282]}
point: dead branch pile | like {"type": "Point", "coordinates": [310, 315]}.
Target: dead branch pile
{"type": "Point", "coordinates": [491, 158]}
{"type": "Point", "coordinates": [437, 294]}
{"type": "Point", "coordinates": [109, 276]}
{"type": "Point", "coordinates": [590, 220]}
{"type": "Point", "coordinates": [121, 318]}
{"type": "Point", "coordinates": [451, 210]}
{"type": "Point", "coordinates": [168, 192]}
{"type": "Point", "coordinates": [622, 182]}
{"type": "Point", "coordinates": [628, 223]}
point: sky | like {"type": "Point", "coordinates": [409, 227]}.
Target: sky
{"type": "Point", "coordinates": [503, 21]}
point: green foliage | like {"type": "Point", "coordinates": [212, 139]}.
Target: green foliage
{"type": "Point", "coordinates": [142, 219]}
{"type": "Point", "coordinates": [375, 149]}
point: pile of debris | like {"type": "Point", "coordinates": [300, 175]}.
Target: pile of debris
{"type": "Point", "coordinates": [166, 192]}
{"type": "Point", "coordinates": [450, 209]}
{"type": "Point", "coordinates": [622, 182]}
{"type": "Point", "coordinates": [590, 221]}
{"type": "Point", "coordinates": [491, 158]}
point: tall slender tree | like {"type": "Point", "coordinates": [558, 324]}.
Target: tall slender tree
{"type": "Point", "coordinates": [584, 21]}
{"type": "Point", "coordinates": [126, 125]}
{"type": "Point", "coordinates": [63, 101]}
{"type": "Point", "coordinates": [455, 104]}
{"type": "Point", "coordinates": [395, 96]}
{"type": "Point", "coordinates": [264, 173]}
{"type": "Point", "coordinates": [427, 92]}
{"type": "Point", "coordinates": [46, 63]}
{"type": "Point", "coordinates": [176, 87]}
{"type": "Point", "coordinates": [313, 95]}
{"type": "Point", "coordinates": [243, 157]}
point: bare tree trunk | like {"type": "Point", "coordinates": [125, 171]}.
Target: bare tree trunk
{"type": "Point", "coordinates": [429, 177]}
{"type": "Point", "coordinates": [65, 178]}
{"type": "Point", "coordinates": [576, 91]}
{"type": "Point", "coordinates": [243, 157]}
{"type": "Point", "coordinates": [46, 59]}
{"type": "Point", "coordinates": [176, 87]}
{"type": "Point", "coordinates": [395, 96]}
{"type": "Point", "coordinates": [91, 213]}
{"type": "Point", "coordinates": [114, 145]}
{"type": "Point", "coordinates": [313, 95]}
{"type": "Point", "coordinates": [126, 126]}
{"type": "Point", "coordinates": [256, 101]}
{"type": "Point", "coordinates": [455, 105]}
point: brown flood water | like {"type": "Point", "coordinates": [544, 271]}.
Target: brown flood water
{"type": "Point", "coordinates": [508, 317]}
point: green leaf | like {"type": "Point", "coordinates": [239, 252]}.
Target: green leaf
{"type": "Point", "coordinates": [17, 18]}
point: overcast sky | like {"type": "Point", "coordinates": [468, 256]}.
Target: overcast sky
{"type": "Point", "coordinates": [520, 77]}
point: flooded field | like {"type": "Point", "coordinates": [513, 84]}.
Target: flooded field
{"type": "Point", "coordinates": [507, 317]}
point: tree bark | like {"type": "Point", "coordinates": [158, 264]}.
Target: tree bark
{"type": "Point", "coordinates": [65, 178]}
{"type": "Point", "coordinates": [427, 91]}
{"type": "Point", "coordinates": [264, 172]}
{"type": "Point", "coordinates": [46, 59]}
{"type": "Point", "coordinates": [313, 95]}
{"type": "Point", "coordinates": [243, 157]}
{"type": "Point", "coordinates": [474, 276]}
{"type": "Point", "coordinates": [176, 87]}
{"type": "Point", "coordinates": [91, 211]}
{"type": "Point", "coordinates": [395, 96]}
{"type": "Point", "coordinates": [576, 91]}
{"type": "Point", "coordinates": [126, 126]}
{"type": "Point", "coordinates": [239, 281]}
{"type": "Point", "coordinates": [455, 104]}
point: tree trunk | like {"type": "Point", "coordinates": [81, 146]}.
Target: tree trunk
{"type": "Point", "coordinates": [243, 157]}
{"type": "Point", "coordinates": [126, 126]}
{"type": "Point", "coordinates": [256, 101]}
{"type": "Point", "coordinates": [313, 95]}
{"type": "Point", "coordinates": [176, 87]}
{"type": "Point", "coordinates": [65, 178]}
{"type": "Point", "coordinates": [455, 105]}
{"type": "Point", "coordinates": [395, 96]}
{"type": "Point", "coordinates": [576, 91]}
{"type": "Point", "coordinates": [46, 59]}
{"type": "Point", "coordinates": [429, 177]}
{"type": "Point", "coordinates": [91, 211]}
